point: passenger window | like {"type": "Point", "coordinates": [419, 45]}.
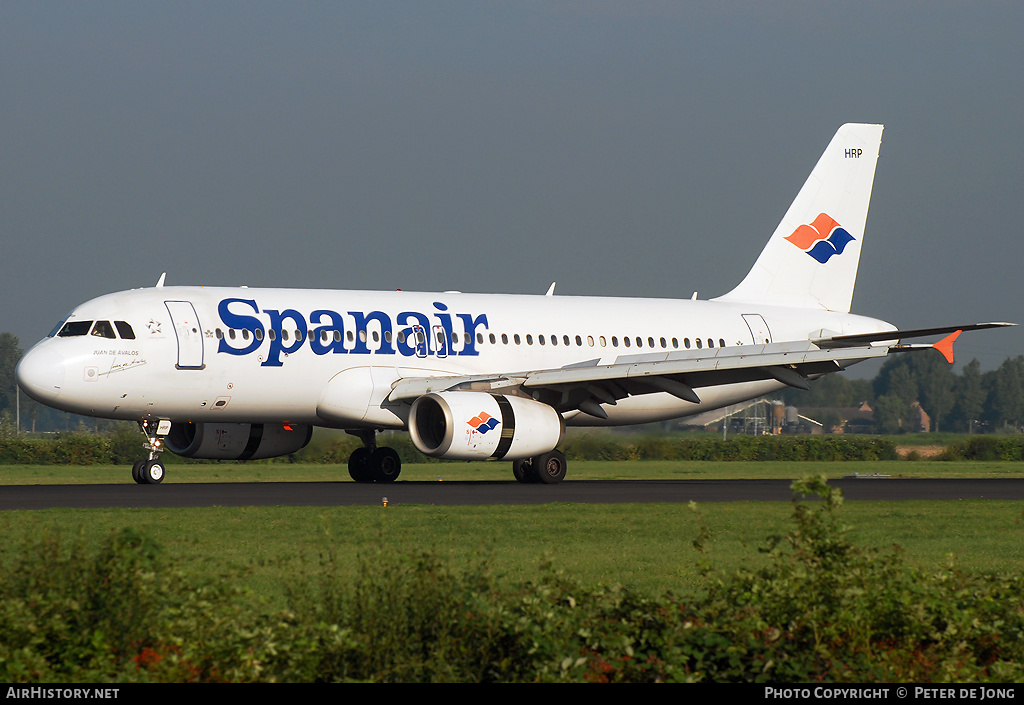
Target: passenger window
{"type": "Point", "coordinates": [75, 328]}
{"type": "Point", "coordinates": [721, 342]}
{"type": "Point", "coordinates": [529, 339]}
{"type": "Point", "coordinates": [124, 330]}
{"type": "Point", "coordinates": [103, 329]}
{"type": "Point", "coordinates": [686, 342]}
{"type": "Point", "coordinates": [698, 344]}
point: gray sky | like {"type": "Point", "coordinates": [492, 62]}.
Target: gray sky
{"type": "Point", "coordinates": [620, 148]}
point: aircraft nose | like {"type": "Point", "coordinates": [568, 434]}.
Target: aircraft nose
{"type": "Point", "coordinates": [40, 374]}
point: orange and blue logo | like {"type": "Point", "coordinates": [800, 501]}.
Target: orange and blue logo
{"type": "Point", "coordinates": [822, 239]}
{"type": "Point", "coordinates": [483, 422]}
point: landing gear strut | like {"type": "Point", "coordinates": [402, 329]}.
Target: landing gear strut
{"type": "Point", "coordinates": [373, 463]}
{"type": "Point", "coordinates": [547, 468]}
{"type": "Point", "coordinates": [151, 471]}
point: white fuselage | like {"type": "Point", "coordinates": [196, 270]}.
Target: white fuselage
{"type": "Point", "coordinates": [270, 355]}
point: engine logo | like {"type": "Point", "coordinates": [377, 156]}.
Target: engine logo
{"type": "Point", "coordinates": [483, 422]}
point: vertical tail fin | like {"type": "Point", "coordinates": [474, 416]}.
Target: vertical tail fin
{"type": "Point", "coordinates": [811, 259]}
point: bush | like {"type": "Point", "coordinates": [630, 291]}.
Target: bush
{"type": "Point", "coordinates": [991, 448]}
{"type": "Point", "coordinates": [827, 610]}
{"type": "Point", "coordinates": [749, 448]}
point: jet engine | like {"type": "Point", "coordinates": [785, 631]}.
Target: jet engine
{"type": "Point", "coordinates": [237, 441]}
{"type": "Point", "coordinates": [478, 425]}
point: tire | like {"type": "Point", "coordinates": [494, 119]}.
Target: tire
{"type": "Point", "coordinates": [137, 472]}
{"type": "Point", "coordinates": [386, 464]}
{"type": "Point", "coordinates": [152, 472]}
{"type": "Point", "coordinates": [550, 467]}
{"type": "Point", "coordinates": [522, 470]}
{"type": "Point", "coordinates": [359, 467]}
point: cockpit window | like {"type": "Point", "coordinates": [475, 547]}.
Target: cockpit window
{"type": "Point", "coordinates": [125, 330]}
{"type": "Point", "coordinates": [56, 328]}
{"type": "Point", "coordinates": [103, 329]}
{"type": "Point", "coordinates": [73, 328]}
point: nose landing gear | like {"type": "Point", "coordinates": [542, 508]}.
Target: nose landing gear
{"type": "Point", "coordinates": [151, 471]}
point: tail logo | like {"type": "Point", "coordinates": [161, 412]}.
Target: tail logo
{"type": "Point", "coordinates": [822, 239]}
{"type": "Point", "coordinates": [483, 422]}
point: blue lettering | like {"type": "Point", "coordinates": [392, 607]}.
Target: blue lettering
{"type": "Point", "coordinates": [446, 324]}
{"type": "Point", "coordinates": [412, 341]}
{"type": "Point", "coordinates": [233, 321]}
{"type": "Point", "coordinates": [288, 330]}
{"type": "Point", "coordinates": [469, 324]}
{"type": "Point", "coordinates": [277, 346]}
{"type": "Point", "coordinates": [362, 333]}
{"type": "Point", "coordinates": [334, 342]}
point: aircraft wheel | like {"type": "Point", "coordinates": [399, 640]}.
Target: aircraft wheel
{"type": "Point", "coordinates": [152, 472]}
{"type": "Point", "coordinates": [137, 472]}
{"type": "Point", "coordinates": [386, 464]}
{"type": "Point", "coordinates": [523, 471]}
{"type": "Point", "coordinates": [359, 465]}
{"type": "Point", "coordinates": [550, 467]}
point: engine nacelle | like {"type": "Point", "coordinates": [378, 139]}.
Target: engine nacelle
{"type": "Point", "coordinates": [237, 441]}
{"type": "Point", "coordinates": [478, 425]}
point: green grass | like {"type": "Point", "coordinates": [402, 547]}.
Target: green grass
{"type": "Point", "coordinates": [502, 471]}
{"type": "Point", "coordinates": [647, 547]}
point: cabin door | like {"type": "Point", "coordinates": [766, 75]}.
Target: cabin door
{"type": "Point", "coordinates": [189, 333]}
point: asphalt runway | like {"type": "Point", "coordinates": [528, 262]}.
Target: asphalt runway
{"type": "Point", "coordinates": [320, 494]}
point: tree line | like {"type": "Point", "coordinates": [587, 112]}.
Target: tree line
{"type": "Point", "coordinates": [969, 402]}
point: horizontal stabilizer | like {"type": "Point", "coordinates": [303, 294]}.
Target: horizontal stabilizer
{"type": "Point", "coordinates": [840, 341]}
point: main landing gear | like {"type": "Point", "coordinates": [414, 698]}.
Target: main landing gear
{"type": "Point", "coordinates": [547, 468]}
{"type": "Point", "coordinates": [373, 463]}
{"type": "Point", "coordinates": [151, 471]}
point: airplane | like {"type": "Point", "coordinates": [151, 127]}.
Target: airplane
{"type": "Point", "coordinates": [247, 373]}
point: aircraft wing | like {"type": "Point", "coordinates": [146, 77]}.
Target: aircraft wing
{"type": "Point", "coordinates": [585, 386]}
